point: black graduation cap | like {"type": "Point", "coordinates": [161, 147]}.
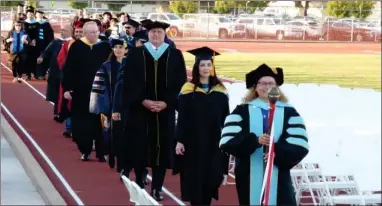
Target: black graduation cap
{"type": "Point", "coordinates": [157, 24]}
{"type": "Point", "coordinates": [29, 11]}
{"type": "Point", "coordinates": [131, 22]}
{"type": "Point", "coordinates": [141, 36]}
{"type": "Point", "coordinates": [145, 22]}
{"type": "Point", "coordinates": [263, 70]}
{"type": "Point", "coordinates": [38, 11]}
{"type": "Point", "coordinates": [114, 42]}
{"type": "Point", "coordinates": [205, 53]}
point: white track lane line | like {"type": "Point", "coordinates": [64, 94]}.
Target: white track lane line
{"type": "Point", "coordinates": [46, 158]}
{"type": "Point", "coordinates": [148, 176]}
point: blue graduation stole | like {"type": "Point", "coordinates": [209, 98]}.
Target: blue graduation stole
{"type": "Point", "coordinates": [17, 42]}
{"type": "Point", "coordinates": [256, 116]}
{"type": "Point", "coordinates": [156, 54]}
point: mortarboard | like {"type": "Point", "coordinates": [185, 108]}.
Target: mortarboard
{"type": "Point", "coordinates": [38, 11]}
{"type": "Point", "coordinates": [264, 70]}
{"type": "Point", "coordinates": [114, 42]}
{"type": "Point", "coordinates": [141, 36]}
{"type": "Point", "coordinates": [131, 22]}
{"type": "Point", "coordinates": [205, 53]}
{"type": "Point", "coordinates": [29, 11]}
{"type": "Point", "coordinates": [157, 24]}
{"type": "Point", "coordinates": [78, 24]}
{"type": "Point", "coordinates": [145, 22]}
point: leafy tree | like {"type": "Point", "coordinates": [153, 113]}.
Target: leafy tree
{"type": "Point", "coordinates": [78, 4]}
{"type": "Point", "coordinates": [224, 7]}
{"type": "Point", "coordinates": [339, 9]}
{"type": "Point", "coordinates": [183, 7]}
{"type": "Point", "coordinates": [10, 3]}
{"type": "Point", "coordinates": [343, 9]}
{"type": "Point", "coordinates": [115, 6]}
{"type": "Point", "coordinates": [252, 6]}
{"type": "Point", "coordinates": [32, 3]}
{"type": "Point", "coordinates": [52, 4]}
{"type": "Point", "coordinates": [361, 9]}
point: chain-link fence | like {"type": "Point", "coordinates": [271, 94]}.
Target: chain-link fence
{"type": "Point", "coordinates": [239, 23]}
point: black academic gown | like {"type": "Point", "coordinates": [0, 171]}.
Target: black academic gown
{"type": "Point", "coordinates": [81, 65]}
{"type": "Point", "coordinates": [54, 77]}
{"type": "Point", "coordinates": [240, 138]}
{"type": "Point", "coordinates": [46, 35]}
{"type": "Point", "coordinates": [201, 118]}
{"type": "Point", "coordinates": [149, 136]}
{"type": "Point", "coordinates": [31, 52]}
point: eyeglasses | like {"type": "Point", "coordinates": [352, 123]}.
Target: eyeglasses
{"type": "Point", "coordinates": [127, 27]}
{"type": "Point", "coordinates": [17, 24]}
{"type": "Point", "coordinates": [266, 83]}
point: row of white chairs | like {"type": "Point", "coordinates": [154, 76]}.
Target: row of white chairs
{"type": "Point", "coordinates": [138, 196]}
{"type": "Point", "coordinates": [313, 187]}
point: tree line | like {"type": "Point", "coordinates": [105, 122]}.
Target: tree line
{"type": "Point", "coordinates": [339, 9]}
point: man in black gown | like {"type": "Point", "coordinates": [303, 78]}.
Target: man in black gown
{"type": "Point", "coordinates": [153, 76]}
{"type": "Point", "coordinates": [85, 57]}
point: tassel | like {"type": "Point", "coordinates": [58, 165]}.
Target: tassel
{"type": "Point", "coordinates": [212, 72]}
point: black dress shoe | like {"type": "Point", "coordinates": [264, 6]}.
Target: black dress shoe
{"type": "Point", "coordinates": [111, 161]}
{"type": "Point", "coordinates": [156, 195]}
{"type": "Point", "coordinates": [67, 134]}
{"type": "Point", "coordinates": [85, 157]}
{"type": "Point", "coordinates": [101, 159]}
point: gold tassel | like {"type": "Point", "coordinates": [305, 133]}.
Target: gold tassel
{"type": "Point", "coordinates": [212, 72]}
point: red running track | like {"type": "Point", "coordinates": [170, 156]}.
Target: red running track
{"type": "Point", "coordinates": [93, 183]}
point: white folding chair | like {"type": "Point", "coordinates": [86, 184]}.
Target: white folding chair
{"type": "Point", "coordinates": [147, 199]}
{"type": "Point", "coordinates": [130, 188]}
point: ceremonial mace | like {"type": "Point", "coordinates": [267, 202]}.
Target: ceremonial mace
{"type": "Point", "coordinates": [273, 96]}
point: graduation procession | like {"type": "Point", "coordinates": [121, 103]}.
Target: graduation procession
{"type": "Point", "coordinates": [120, 90]}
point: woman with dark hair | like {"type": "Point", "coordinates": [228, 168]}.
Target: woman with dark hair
{"type": "Point", "coordinates": [101, 97]}
{"type": "Point", "coordinates": [14, 45]}
{"type": "Point", "coordinates": [202, 108]}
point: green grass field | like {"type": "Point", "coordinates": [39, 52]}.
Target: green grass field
{"type": "Point", "coordinates": [346, 70]}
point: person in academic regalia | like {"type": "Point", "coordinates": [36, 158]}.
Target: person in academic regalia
{"type": "Point", "coordinates": [140, 37]}
{"type": "Point", "coordinates": [54, 73]}
{"type": "Point", "coordinates": [46, 35]}
{"type": "Point", "coordinates": [166, 39]}
{"type": "Point", "coordinates": [31, 51]}
{"type": "Point", "coordinates": [102, 95]}
{"type": "Point", "coordinates": [154, 75]}
{"type": "Point", "coordinates": [85, 57]}
{"type": "Point", "coordinates": [130, 27]}
{"type": "Point", "coordinates": [105, 23]}
{"type": "Point", "coordinates": [202, 108]}
{"type": "Point", "coordinates": [19, 13]}
{"type": "Point", "coordinates": [14, 45]}
{"type": "Point", "coordinates": [63, 113]}
{"type": "Point", "coordinates": [244, 136]}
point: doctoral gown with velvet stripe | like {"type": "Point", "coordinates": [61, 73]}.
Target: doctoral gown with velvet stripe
{"type": "Point", "coordinates": [153, 75]}
{"type": "Point", "coordinates": [201, 115]}
{"type": "Point", "coordinates": [240, 135]}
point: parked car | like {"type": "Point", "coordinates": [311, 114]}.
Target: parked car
{"type": "Point", "coordinates": [264, 27]}
{"type": "Point", "coordinates": [344, 31]}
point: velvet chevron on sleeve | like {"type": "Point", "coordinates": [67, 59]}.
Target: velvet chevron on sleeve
{"type": "Point", "coordinates": [236, 137]}
{"type": "Point", "coordinates": [293, 145]}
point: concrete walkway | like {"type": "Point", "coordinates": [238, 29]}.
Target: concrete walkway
{"type": "Point", "coordinates": [23, 181]}
{"type": "Point", "coordinates": [16, 187]}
